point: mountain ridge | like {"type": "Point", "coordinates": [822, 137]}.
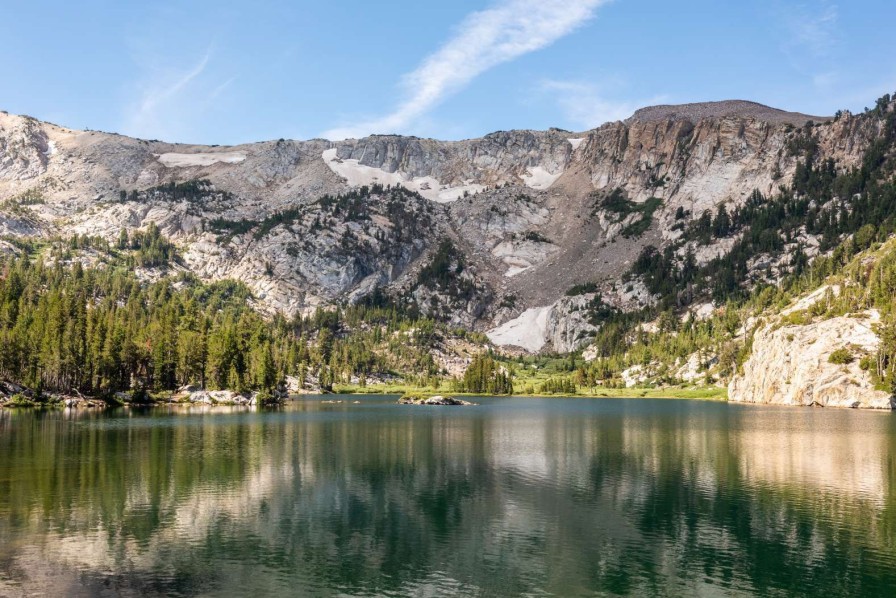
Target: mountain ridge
{"type": "Point", "coordinates": [557, 232]}
{"type": "Point", "coordinates": [734, 108]}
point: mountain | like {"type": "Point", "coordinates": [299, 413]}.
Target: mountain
{"type": "Point", "coordinates": [522, 206]}
{"type": "Point", "coordinates": [546, 240]}
{"type": "Point", "coordinates": [724, 109]}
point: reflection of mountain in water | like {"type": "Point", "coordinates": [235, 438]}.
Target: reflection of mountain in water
{"type": "Point", "coordinates": [565, 497]}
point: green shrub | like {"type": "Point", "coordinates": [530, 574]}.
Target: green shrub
{"type": "Point", "coordinates": [797, 318]}
{"type": "Point", "coordinates": [620, 207]}
{"type": "Point", "coordinates": [20, 400]}
{"type": "Point", "coordinates": [562, 386]}
{"type": "Point", "coordinates": [582, 289]}
{"type": "Point", "coordinates": [535, 237]}
{"type": "Point", "coordinates": [841, 357]}
{"type": "Point", "coordinates": [265, 399]}
{"type": "Point", "coordinates": [866, 363]}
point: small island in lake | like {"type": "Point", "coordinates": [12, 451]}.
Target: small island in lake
{"type": "Point", "coordinates": [411, 399]}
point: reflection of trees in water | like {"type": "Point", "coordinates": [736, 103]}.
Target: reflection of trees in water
{"type": "Point", "coordinates": [503, 502]}
{"type": "Point", "coordinates": [746, 504]}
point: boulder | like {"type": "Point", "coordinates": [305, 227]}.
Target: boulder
{"type": "Point", "coordinates": [434, 400]}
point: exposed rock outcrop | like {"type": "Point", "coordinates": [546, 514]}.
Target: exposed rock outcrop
{"type": "Point", "coordinates": [792, 365]}
{"type": "Point", "coordinates": [496, 159]}
{"type": "Point", "coordinates": [437, 400]}
{"type": "Point", "coordinates": [194, 395]}
{"type": "Point", "coordinates": [568, 328]}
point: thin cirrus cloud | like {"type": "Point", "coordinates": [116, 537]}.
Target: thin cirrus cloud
{"type": "Point", "coordinates": [810, 37]}
{"type": "Point", "coordinates": [484, 40]}
{"type": "Point", "coordinates": [585, 106]}
{"type": "Point", "coordinates": [814, 30]}
{"type": "Point", "coordinates": [169, 97]}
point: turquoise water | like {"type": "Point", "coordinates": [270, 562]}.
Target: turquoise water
{"type": "Point", "coordinates": [514, 497]}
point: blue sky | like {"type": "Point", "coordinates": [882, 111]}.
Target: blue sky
{"type": "Point", "coordinates": [231, 72]}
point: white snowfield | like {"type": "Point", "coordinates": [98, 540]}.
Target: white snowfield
{"type": "Point", "coordinates": [175, 160]}
{"type": "Point", "coordinates": [575, 143]}
{"type": "Point", "coordinates": [357, 175]}
{"type": "Point", "coordinates": [537, 177]}
{"type": "Point", "coordinates": [528, 331]}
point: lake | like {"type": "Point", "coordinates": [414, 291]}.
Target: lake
{"type": "Point", "coordinates": [513, 497]}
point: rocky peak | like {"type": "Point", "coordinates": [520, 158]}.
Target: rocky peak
{"type": "Point", "coordinates": [740, 109]}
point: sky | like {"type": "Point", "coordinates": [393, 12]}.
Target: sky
{"type": "Point", "coordinates": [221, 72]}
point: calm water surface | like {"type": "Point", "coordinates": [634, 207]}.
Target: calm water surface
{"type": "Point", "coordinates": [515, 497]}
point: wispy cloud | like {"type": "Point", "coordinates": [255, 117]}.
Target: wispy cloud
{"type": "Point", "coordinates": [810, 35]}
{"type": "Point", "coordinates": [169, 96]}
{"type": "Point", "coordinates": [484, 40]}
{"type": "Point", "coordinates": [217, 91]}
{"type": "Point", "coordinates": [856, 96]}
{"type": "Point", "coordinates": [163, 89]}
{"type": "Point", "coordinates": [812, 28]}
{"type": "Point", "coordinates": [585, 105]}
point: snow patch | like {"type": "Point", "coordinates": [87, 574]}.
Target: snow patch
{"type": "Point", "coordinates": [358, 175]}
{"type": "Point", "coordinates": [51, 149]}
{"type": "Point", "coordinates": [528, 331]}
{"type": "Point", "coordinates": [537, 177]}
{"type": "Point", "coordinates": [575, 143]}
{"type": "Point", "coordinates": [175, 160]}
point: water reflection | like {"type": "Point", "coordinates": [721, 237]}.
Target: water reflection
{"type": "Point", "coordinates": [562, 497]}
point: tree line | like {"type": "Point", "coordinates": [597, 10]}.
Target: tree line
{"type": "Point", "coordinates": [98, 329]}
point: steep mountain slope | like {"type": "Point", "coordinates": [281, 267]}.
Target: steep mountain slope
{"type": "Point", "coordinates": [802, 308]}
{"type": "Point", "coordinates": [528, 214]}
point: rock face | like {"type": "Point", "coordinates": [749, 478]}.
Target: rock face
{"type": "Point", "coordinates": [568, 328]}
{"type": "Point", "coordinates": [791, 365]}
{"type": "Point", "coordinates": [522, 208]}
{"type": "Point", "coordinates": [496, 159]}
{"type": "Point", "coordinates": [218, 397]}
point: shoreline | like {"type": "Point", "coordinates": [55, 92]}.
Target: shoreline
{"type": "Point", "coordinates": [708, 393]}
{"type": "Point", "coordinates": [234, 399]}
{"type": "Point", "coordinates": [247, 400]}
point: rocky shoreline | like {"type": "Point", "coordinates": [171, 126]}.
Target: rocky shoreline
{"type": "Point", "coordinates": [13, 395]}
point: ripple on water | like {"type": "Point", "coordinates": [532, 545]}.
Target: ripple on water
{"type": "Point", "coordinates": [511, 498]}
